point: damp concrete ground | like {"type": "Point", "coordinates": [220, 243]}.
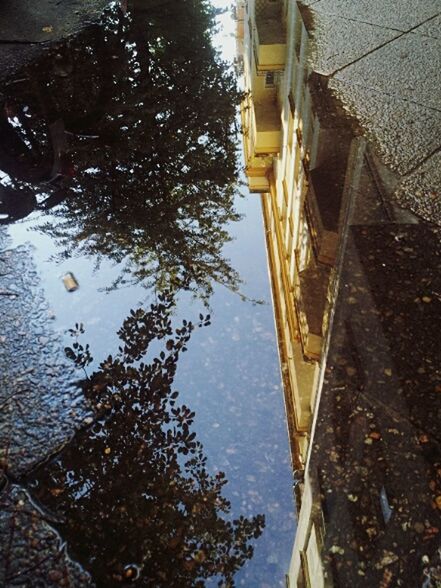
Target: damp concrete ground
{"type": "Point", "coordinates": [40, 403]}
{"type": "Point", "coordinates": [382, 59]}
{"type": "Point", "coordinates": [27, 27]}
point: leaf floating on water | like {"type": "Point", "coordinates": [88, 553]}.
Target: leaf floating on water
{"type": "Point", "coordinates": [57, 491]}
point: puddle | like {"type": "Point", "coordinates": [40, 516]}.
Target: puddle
{"type": "Point", "coordinates": [118, 165]}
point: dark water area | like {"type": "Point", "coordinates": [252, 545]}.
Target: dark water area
{"type": "Point", "coordinates": [160, 454]}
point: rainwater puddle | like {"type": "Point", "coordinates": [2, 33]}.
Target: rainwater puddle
{"type": "Point", "coordinates": [118, 162]}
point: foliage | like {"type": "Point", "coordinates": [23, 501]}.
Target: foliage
{"type": "Point", "coordinates": [133, 489]}
{"type": "Point", "coordinates": [137, 119]}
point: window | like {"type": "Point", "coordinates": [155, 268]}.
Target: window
{"type": "Point", "coordinates": [292, 104]}
{"type": "Point", "coordinates": [270, 79]}
{"type": "Point", "coordinates": [304, 244]}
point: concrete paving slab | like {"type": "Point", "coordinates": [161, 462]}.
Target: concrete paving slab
{"type": "Point", "coordinates": [431, 28]}
{"type": "Point", "coordinates": [409, 68]}
{"type": "Point", "coordinates": [408, 13]}
{"type": "Point", "coordinates": [404, 133]}
{"type": "Point", "coordinates": [330, 48]}
{"type": "Point", "coordinates": [420, 191]}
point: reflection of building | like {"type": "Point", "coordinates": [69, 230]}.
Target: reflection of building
{"type": "Point", "coordinates": [296, 155]}
{"type": "Point", "coordinates": [294, 151]}
{"type": "Point", "coordinates": [331, 230]}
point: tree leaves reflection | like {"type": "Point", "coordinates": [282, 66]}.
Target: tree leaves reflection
{"type": "Point", "coordinates": [137, 501]}
{"type": "Point", "coordinates": [126, 135]}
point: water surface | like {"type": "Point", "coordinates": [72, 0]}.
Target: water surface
{"type": "Point", "coordinates": [119, 164]}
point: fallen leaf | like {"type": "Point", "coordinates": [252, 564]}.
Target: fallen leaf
{"type": "Point", "coordinates": [57, 491]}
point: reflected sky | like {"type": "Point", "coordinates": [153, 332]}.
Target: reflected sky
{"type": "Point", "coordinates": [229, 376]}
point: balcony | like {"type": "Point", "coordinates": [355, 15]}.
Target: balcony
{"type": "Point", "coordinates": [258, 181]}
{"type": "Point", "coordinates": [267, 128]}
{"type": "Point", "coordinates": [239, 17]}
{"type": "Point", "coordinates": [257, 167]}
{"type": "Point", "coordinates": [323, 203]}
{"type": "Point", "coordinates": [310, 290]}
{"type": "Point", "coordinates": [270, 38]}
{"type": "Point", "coordinates": [262, 130]}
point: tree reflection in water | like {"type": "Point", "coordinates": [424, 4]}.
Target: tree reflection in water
{"type": "Point", "coordinates": [126, 134]}
{"type": "Point", "coordinates": [132, 491]}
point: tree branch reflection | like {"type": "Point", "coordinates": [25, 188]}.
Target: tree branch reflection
{"type": "Point", "coordinates": [126, 135]}
{"type": "Point", "coordinates": [137, 499]}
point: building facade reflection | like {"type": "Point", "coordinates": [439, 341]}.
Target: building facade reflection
{"type": "Point", "coordinates": [356, 315]}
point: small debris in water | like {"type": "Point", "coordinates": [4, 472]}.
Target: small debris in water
{"type": "Point", "coordinates": [70, 282]}
{"type": "Point", "coordinates": [131, 572]}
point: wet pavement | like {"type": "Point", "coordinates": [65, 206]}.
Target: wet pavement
{"type": "Point", "coordinates": [388, 79]}
{"type": "Point", "coordinates": [376, 458]}
{"type": "Point", "coordinates": [375, 463]}
{"type": "Point", "coordinates": [39, 404]}
{"type": "Point", "coordinates": [118, 164]}
{"type": "Point", "coordinates": [27, 28]}
{"type": "Point", "coordinates": [32, 552]}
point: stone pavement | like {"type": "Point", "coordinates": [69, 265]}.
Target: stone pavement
{"type": "Point", "coordinates": [382, 59]}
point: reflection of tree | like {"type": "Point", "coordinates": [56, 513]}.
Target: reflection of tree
{"type": "Point", "coordinates": [133, 489]}
{"type": "Point", "coordinates": [148, 112]}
